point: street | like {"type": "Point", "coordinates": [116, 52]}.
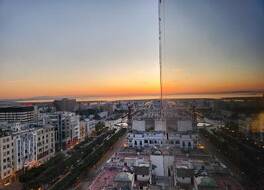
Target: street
{"type": "Point", "coordinates": [233, 170]}
{"type": "Point", "coordinates": [87, 177]}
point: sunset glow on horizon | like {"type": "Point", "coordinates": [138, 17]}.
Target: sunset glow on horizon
{"type": "Point", "coordinates": [91, 48]}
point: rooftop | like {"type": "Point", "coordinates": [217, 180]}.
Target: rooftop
{"type": "Point", "coordinates": [104, 179]}
{"type": "Point", "coordinates": [204, 181]}
{"type": "Point", "coordinates": [141, 170]}
{"type": "Point", "coordinates": [11, 109]}
{"type": "Point", "coordinates": [184, 172]}
{"type": "Point", "coordinates": [123, 177]}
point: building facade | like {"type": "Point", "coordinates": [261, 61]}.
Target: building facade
{"type": "Point", "coordinates": [22, 114]}
{"type": "Point", "coordinates": [67, 128]}
{"type": "Point", "coordinates": [146, 139]}
{"type": "Point", "coordinates": [24, 147]}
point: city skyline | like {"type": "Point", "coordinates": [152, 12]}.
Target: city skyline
{"type": "Point", "coordinates": [111, 49]}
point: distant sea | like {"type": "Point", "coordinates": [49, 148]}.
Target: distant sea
{"type": "Point", "coordinates": [176, 96]}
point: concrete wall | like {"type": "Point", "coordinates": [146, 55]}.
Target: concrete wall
{"type": "Point", "coordinates": [186, 142]}
{"type": "Point", "coordinates": [168, 165]}
{"type": "Point", "coordinates": [139, 125]}
{"type": "Point", "coordinates": [160, 125]}
{"type": "Point", "coordinates": [157, 160]}
{"type": "Point", "coordinates": [184, 125]}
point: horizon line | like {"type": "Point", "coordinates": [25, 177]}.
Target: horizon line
{"type": "Point", "coordinates": [45, 97]}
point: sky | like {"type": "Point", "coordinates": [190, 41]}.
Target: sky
{"type": "Point", "coordinates": [56, 48]}
{"type": "Point", "coordinates": [110, 47]}
{"type": "Point", "coordinates": [213, 46]}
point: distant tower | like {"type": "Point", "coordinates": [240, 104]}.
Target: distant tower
{"type": "Point", "coordinates": [129, 115]}
{"type": "Point", "coordinates": [194, 117]}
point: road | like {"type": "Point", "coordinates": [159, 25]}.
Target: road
{"type": "Point", "coordinates": [233, 170]}
{"type": "Point", "coordinates": [87, 177]}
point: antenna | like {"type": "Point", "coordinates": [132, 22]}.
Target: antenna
{"type": "Point", "coordinates": [160, 62]}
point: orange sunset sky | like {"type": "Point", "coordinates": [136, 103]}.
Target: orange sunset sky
{"type": "Point", "coordinates": [110, 48]}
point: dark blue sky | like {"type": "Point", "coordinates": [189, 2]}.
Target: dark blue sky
{"type": "Point", "coordinates": [213, 45]}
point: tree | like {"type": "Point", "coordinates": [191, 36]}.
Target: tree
{"type": "Point", "coordinates": [99, 127]}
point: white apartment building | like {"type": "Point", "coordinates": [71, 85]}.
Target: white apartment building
{"type": "Point", "coordinates": [145, 139]}
{"type": "Point", "coordinates": [45, 140]}
{"type": "Point", "coordinates": [175, 129]}
{"type": "Point", "coordinates": [67, 128]}
{"type": "Point", "coordinates": [25, 146]}
{"type": "Point", "coordinates": [6, 156]}
{"type": "Point", "coordinates": [89, 125]}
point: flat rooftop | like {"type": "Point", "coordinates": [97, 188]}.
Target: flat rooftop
{"type": "Point", "coordinates": [105, 179]}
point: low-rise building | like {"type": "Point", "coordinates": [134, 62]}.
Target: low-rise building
{"type": "Point", "coordinates": [142, 176]}
{"type": "Point", "coordinates": [183, 173]}
{"type": "Point", "coordinates": [124, 180]}
{"type": "Point", "coordinates": [146, 139]}
{"type": "Point", "coordinates": [205, 183]}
